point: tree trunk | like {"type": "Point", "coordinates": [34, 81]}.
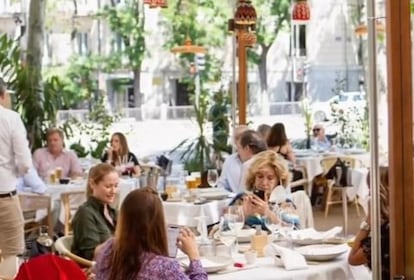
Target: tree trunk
{"type": "Point", "coordinates": [137, 89]}
{"type": "Point", "coordinates": [34, 57]}
{"type": "Point", "coordinates": [263, 68]}
{"type": "Point", "coordinates": [36, 33]}
{"type": "Point", "coordinates": [264, 100]}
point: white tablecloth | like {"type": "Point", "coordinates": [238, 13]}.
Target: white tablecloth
{"type": "Point", "coordinates": [55, 191]}
{"type": "Point", "coordinates": [267, 270]}
{"type": "Point", "coordinates": [312, 165]}
{"type": "Point", "coordinates": [184, 213]}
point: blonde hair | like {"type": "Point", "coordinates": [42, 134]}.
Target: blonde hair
{"type": "Point", "coordinates": [96, 175]}
{"type": "Point", "coordinates": [273, 160]}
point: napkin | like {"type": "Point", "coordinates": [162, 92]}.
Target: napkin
{"type": "Point", "coordinates": [291, 260]}
{"type": "Point", "coordinates": [311, 233]}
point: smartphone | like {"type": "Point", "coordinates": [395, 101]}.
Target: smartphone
{"type": "Point", "coordinates": [259, 193]}
{"type": "Point", "coordinates": [172, 235]}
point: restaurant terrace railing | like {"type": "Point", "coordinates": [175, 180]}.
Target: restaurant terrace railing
{"type": "Point", "coordinates": [182, 112]}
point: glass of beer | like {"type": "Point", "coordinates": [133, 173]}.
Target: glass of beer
{"type": "Point", "coordinates": [190, 182]}
{"type": "Point", "coordinates": [52, 177]}
{"type": "Point", "coordinates": [59, 173]}
{"type": "Point", "coordinates": [197, 176]}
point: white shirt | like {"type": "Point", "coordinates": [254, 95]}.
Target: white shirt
{"type": "Point", "coordinates": [230, 178]}
{"type": "Point", "coordinates": [245, 170]}
{"type": "Point", "coordinates": [31, 182]}
{"type": "Point", "coordinates": [15, 156]}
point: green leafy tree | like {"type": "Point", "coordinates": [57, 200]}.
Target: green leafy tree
{"type": "Point", "coordinates": [128, 22]}
{"type": "Point", "coordinates": [273, 17]}
{"type": "Point", "coordinates": [205, 23]}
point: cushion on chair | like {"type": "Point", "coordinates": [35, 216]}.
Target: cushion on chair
{"type": "Point", "coordinates": [50, 267]}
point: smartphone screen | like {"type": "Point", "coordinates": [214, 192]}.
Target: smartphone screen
{"type": "Point", "coordinates": [172, 235]}
{"type": "Point", "coordinates": [260, 194]}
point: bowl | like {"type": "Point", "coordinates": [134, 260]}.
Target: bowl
{"type": "Point", "coordinates": [64, 181]}
{"type": "Point", "coordinates": [164, 196]}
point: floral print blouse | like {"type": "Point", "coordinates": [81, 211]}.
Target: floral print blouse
{"type": "Point", "coordinates": [157, 267]}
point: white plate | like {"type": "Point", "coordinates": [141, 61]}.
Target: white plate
{"type": "Point", "coordinates": [307, 241]}
{"type": "Point", "coordinates": [322, 252]}
{"type": "Point", "coordinates": [213, 195]}
{"type": "Point", "coordinates": [212, 264]}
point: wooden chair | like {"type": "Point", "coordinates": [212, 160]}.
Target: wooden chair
{"type": "Point", "coordinates": [304, 181]}
{"type": "Point", "coordinates": [30, 204]}
{"type": "Point", "coordinates": [150, 174]}
{"type": "Point", "coordinates": [327, 163]}
{"type": "Point", "coordinates": [64, 244]}
{"type": "Point", "coordinates": [69, 207]}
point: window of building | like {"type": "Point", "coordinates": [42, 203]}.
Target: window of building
{"type": "Point", "coordinates": [82, 42]}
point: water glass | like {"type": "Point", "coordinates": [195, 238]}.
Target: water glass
{"type": "Point", "coordinates": [212, 177]}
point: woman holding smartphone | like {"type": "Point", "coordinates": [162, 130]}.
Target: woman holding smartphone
{"type": "Point", "coordinates": [139, 249]}
{"type": "Point", "coordinates": [266, 172]}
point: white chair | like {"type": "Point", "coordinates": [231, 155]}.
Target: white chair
{"type": "Point", "coordinates": [304, 181]}
{"type": "Point", "coordinates": [64, 244]}
{"type": "Point", "coordinates": [30, 204]}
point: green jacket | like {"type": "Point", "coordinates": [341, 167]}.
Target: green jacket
{"type": "Point", "coordinates": [91, 228]}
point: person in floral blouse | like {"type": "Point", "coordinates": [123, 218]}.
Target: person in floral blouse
{"type": "Point", "coordinates": [139, 249]}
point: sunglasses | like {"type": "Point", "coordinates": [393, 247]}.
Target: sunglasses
{"type": "Point", "coordinates": [316, 129]}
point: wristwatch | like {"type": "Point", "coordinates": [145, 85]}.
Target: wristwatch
{"type": "Point", "coordinates": [364, 226]}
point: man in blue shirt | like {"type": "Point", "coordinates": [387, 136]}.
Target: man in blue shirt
{"type": "Point", "coordinates": [320, 141]}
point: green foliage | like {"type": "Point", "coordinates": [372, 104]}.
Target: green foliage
{"type": "Point", "coordinates": [307, 114]}
{"type": "Point", "coordinates": [37, 104]}
{"type": "Point", "coordinates": [205, 23]}
{"type": "Point", "coordinates": [93, 132]}
{"type": "Point", "coordinates": [273, 16]}
{"type": "Point", "coordinates": [197, 151]}
{"type": "Point", "coordinates": [128, 21]}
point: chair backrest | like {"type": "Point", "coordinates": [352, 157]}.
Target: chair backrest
{"type": "Point", "coordinates": [149, 175]}
{"type": "Point", "coordinates": [64, 244]}
{"type": "Point", "coordinates": [70, 203]}
{"type": "Point", "coordinates": [30, 204]}
{"type": "Point", "coordinates": [328, 162]}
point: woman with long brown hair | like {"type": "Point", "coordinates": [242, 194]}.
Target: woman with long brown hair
{"type": "Point", "coordinates": [139, 249]}
{"type": "Point", "coordinates": [361, 249]}
{"type": "Point", "coordinates": [119, 154]}
{"type": "Point", "coordinates": [278, 142]}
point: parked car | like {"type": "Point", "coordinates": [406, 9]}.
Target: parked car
{"type": "Point", "coordinates": [344, 100]}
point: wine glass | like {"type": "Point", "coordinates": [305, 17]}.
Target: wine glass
{"type": "Point", "coordinates": [212, 177]}
{"type": "Point", "coordinates": [227, 232]}
{"type": "Point", "coordinates": [236, 214]}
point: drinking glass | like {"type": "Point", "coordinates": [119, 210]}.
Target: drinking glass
{"type": "Point", "coordinates": [44, 239]}
{"type": "Point", "coordinates": [227, 232]}
{"type": "Point", "coordinates": [212, 177]}
{"type": "Point", "coordinates": [236, 214]}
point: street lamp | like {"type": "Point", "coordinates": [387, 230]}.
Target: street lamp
{"type": "Point", "coordinates": [300, 15]}
{"type": "Point", "coordinates": [188, 47]}
{"type": "Point", "coordinates": [243, 25]}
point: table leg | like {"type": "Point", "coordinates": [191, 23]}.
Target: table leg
{"type": "Point", "coordinates": [345, 210]}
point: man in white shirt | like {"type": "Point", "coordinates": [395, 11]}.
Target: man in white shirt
{"type": "Point", "coordinates": [232, 167]}
{"type": "Point", "coordinates": [15, 161]}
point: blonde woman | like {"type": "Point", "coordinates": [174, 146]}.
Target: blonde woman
{"type": "Point", "coordinates": [267, 175]}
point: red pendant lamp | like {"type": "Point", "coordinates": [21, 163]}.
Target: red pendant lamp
{"type": "Point", "coordinates": [245, 13]}
{"type": "Point", "coordinates": [301, 12]}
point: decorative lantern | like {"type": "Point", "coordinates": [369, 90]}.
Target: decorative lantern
{"type": "Point", "coordinates": [245, 13]}
{"type": "Point", "coordinates": [162, 3]}
{"type": "Point", "coordinates": [301, 12]}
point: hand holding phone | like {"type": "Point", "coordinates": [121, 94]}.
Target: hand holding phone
{"type": "Point", "coordinates": [259, 193]}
